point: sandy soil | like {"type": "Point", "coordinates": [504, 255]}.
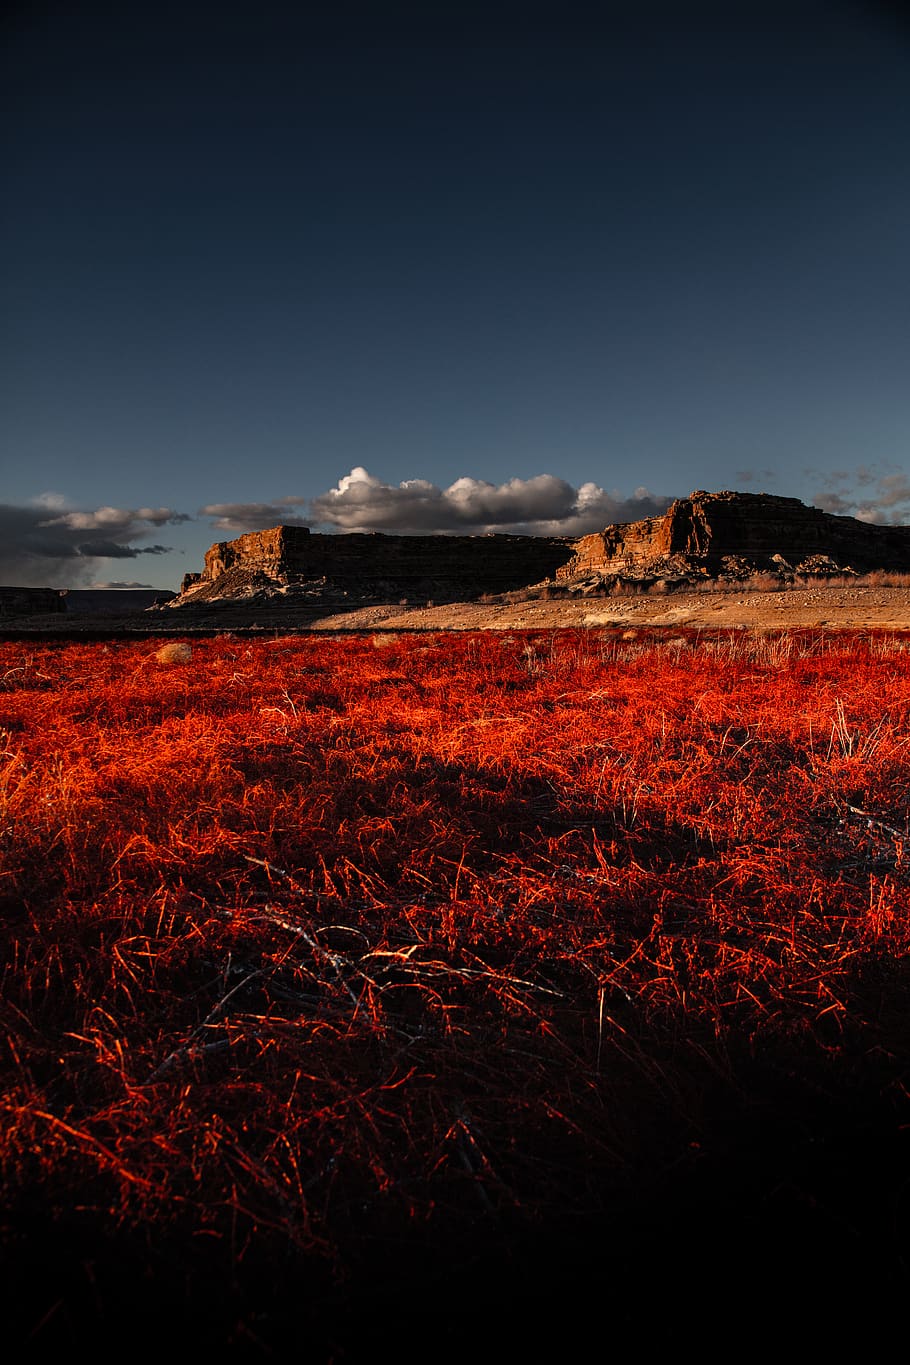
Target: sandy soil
{"type": "Point", "coordinates": [834, 608]}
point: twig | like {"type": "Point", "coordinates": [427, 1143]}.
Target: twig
{"type": "Point", "coordinates": [93, 1143]}
{"type": "Point", "coordinates": [875, 823]}
{"type": "Point", "coordinates": [436, 968]}
{"type": "Point", "coordinates": [278, 872]}
{"type": "Point", "coordinates": [336, 961]}
{"type": "Point", "coordinates": [172, 1057]}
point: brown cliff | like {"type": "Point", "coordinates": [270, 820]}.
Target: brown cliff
{"type": "Point", "coordinates": [734, 534]}
{"type": "Point", "coordinates": [708, 535]}
{"type": "Point", "coordinates": [290, 561]}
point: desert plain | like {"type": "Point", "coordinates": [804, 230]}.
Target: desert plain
{"type": "Point", "coordinates": [826, 606]}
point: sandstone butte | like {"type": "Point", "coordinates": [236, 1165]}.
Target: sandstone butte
{"type": "Point", "coordinates": [725, 536]}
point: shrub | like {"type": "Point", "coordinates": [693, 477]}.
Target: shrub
{"type": "Point", "coordinates": [176, 653]}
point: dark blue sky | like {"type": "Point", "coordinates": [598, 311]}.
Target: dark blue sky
{"type": "Point", "coordinates": [639, 249]}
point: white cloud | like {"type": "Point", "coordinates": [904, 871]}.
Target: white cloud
{"type": "Point", "coordinates": [117, 520]}
{"type": "Point", "coordinates": [543, 505]}
{"type": "Point", "coordinates": [54, 502]}
{"type": "Point", "coordinates": [238, 517]}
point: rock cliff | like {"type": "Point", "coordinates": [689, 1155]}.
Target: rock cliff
{"type": "Point", "coordinates": [734, 534]}
{"type": "Point", "coordinates": [292, 562]}
{"type": "Point", "coordinates": [708, 535]}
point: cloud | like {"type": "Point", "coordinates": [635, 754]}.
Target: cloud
{"type": "Point", "coordinates": [114, 585]}
{"type": "Point", "coordinates": [544, 505]}
{"type": "Point", "coordinates": [118, 520]}
{"type": "Point", "coordinates": [109, 549]}
{"type": "Point", "coordinates": [48, 542]}
{"type": "Point", "coordinates": [238, 517]}
{"type": "Point", "coordinates": [37, 549]}
{"type": "Point", "coordinates": [887, 501]}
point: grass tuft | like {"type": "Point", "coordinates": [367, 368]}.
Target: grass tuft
{"type": "Point", "coordinates": [177, 652]}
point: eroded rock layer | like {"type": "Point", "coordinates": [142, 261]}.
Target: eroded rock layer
{"type": "Point", "coordinates": [711, 533]}
{"type": "Point", "coordinates": [293, 561]}
{"type": "Point", "coordinates": [708, 535]}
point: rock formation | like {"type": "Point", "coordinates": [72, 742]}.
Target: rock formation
{"type": "Point", "coordinates": [733, 535]}
{"type": "Point", "coordinates": [708, 535]}
{"type": "Point", "coordinates": [290, 561]}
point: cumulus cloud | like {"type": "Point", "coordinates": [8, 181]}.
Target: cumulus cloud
{"type": "Point", "coordinates": [886, 500]}
{"type": "Point", "coordinates": [54, 502]}
{"type": "Point", "coordinates": [543, 505]}
{"type": "Point", "coordinates": [117, 521]}
{"type": "Point", "coordinates": [238, 517]}
{"type": "Point", "coordinates": [41, 549]}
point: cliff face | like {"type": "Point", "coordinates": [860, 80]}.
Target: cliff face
{"type": "Point", "coordinates": [292, 561]}
{"type": "Point", "coordinates": [709, 533]}
{"type": "Point", "coordinates": [706, 535]}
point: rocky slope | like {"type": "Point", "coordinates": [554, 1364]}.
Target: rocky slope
{"type": "Point", "coordinates": [733, 535]}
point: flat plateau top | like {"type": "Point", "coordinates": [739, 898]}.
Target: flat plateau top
{"type": "Point", "coordinates": [827, 607]}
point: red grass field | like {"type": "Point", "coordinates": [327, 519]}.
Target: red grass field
{"type": "Point", "coordinates": [357, 983]}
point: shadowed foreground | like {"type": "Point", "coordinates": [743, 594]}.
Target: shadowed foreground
{"type": "Point", "coordinates": [454, 993]}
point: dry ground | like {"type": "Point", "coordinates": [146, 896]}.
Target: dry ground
{"type": "Point", "coordinates": [840, 608]}
{"type": "Point", "coordinates": [834, 607]}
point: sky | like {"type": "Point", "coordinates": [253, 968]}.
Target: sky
{"type": "Point", "coordinates": [443, 267]}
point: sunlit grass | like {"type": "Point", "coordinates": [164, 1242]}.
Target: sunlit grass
{"type": "Point", "coordinates": [317, 946]}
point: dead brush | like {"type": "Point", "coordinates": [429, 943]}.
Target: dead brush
{"type": "Point", "coordinates": [882, 578]}
{"type": "Point", "coordinates": [765, 582]}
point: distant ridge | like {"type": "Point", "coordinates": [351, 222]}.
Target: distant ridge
{"type": "Point", "coordinates": [31, 602]}
{"type": "Point", "coordinates": [114, 601]}
{"type": "Point", "coordinates": [726, 535]}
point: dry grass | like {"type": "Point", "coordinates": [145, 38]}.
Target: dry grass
{"type": "Point", "coordinates": [323, 962]}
